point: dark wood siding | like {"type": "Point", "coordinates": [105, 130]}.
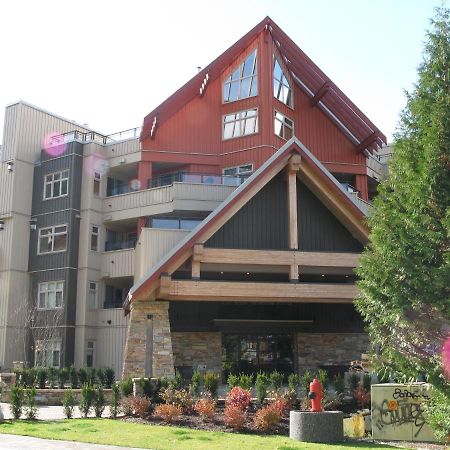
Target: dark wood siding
{"type": "Point", "coordinates": [260, 224]}
{"type": "Point", "coordinates": [318, 229]}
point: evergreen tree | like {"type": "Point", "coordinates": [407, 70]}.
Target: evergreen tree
{"type": "Point", "coordinates": [404, 272]}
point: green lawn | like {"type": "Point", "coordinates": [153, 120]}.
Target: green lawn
{"type": "Point", "coordinates": [116, 432]}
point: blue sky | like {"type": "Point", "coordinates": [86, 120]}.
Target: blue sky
{"type": "Point", "coordinates": [109, 63]}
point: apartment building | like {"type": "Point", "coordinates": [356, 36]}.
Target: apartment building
{"type": "Point", "coordinates": [84, 218]}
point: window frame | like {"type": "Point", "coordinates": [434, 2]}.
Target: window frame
{"type": "Point", "coordinates": [91, 235]}
{"type": "Point", "coordinates": [52, 227]}
{"type": "Point", "coordinates": [282, 124]}
{"type": "Point", "coordinates": [45, 347]}
{"type": "Point", "coordinates": [47, 306]}
{"type": "Point", "coordinates": [241, 78]}
{"type": "Point", "coordinates": [97, 182]}
{"type": "Point", "coordinates": [92, 349]}
{"type": "Point", "coordinates": [53, 182]}
{"type": "Point", "coordinates": [90, 290]}
{"type": "Point", "coordinates": [240, 120]}
{"type": "Point", "coordinates": [290, 87]}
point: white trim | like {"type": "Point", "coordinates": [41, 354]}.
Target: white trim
{"type": "Point", "coordinates": [53, 182]}
{"type": "Point", "coordinates": [52, 227]}
{"type": "Point", "coordinates": [46, 292]}
{"type": "Point", "coordinates": [241, 121]}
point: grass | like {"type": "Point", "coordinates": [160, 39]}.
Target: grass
{"type": "Point", "coordinates": [116, 432]}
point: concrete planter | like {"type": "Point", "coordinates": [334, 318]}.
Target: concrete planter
{"type": "Point", "coordinates": [307, 426]}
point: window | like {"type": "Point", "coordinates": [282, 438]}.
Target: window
{"type": "Point", "coordinates": [283, 126]}
{"type": "Point", "coordinates": [92, 295]}
{"type": "Point", "coordinates": [52, 239]}
{"type": "Point", "coordinates": [240, 124]}
{"type": "Point", "coordinates": [90, 353]}
{"type": "Point", "coordinates": [246, 170]}
{"type": "Point", "coordinates": [97, 178]}
{"type": "Point", "coordinates": [50, 295]}
{"type": "Point", "coordinates": [243, 82]}
{"type": "Point", "coordinates": [56, 184]}
{"type": "Point", "coordinates": [95, 231]}
{"type": "Point", "coordinates": [114, 297]}
{"type": "Point", "coordinates": [48, 354]}
{"type": "Point", "coordinates": [172, 223]}
{"type": "Point", "coordinates": [282, 89]}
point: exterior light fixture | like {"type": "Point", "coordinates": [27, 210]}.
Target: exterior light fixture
{"type": "Point", "coordinates": [33, 224]}
{"type": "Point", "coordinates": [2, 225]}
{"type": "Point", "coordinates": [10, 166]}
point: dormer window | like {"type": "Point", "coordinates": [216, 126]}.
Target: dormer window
{"type": "Point", "coordinates": [243, 82]}
{"type": "Point", "coordinates": [282, 89]}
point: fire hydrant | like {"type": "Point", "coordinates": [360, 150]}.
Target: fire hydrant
{"type": "Point", "coordinates": [316, 395]}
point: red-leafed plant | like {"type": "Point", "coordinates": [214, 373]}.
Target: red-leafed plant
{"type": "Point", "coordinates": [168, 412]}
{"type": "Point", "coordinates": [267, 418]}
{"type": "Point", "coordinates": [239, 397]}
{"type": "Point", "coordinates": [362, 397]}
{"type": "Point", "coordinates": [280, 405]}
{"type": "Point", "coordinates": [205, 408]}
{"type": "Point", "coordinates": [234, 417]}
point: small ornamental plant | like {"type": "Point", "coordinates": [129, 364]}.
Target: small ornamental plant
{"type": "Point", "coordinates": [267, 418]}
{"type": "Point", "coordinates": [196, 382]}
{"type": "Point", "coordinates": [87, 399]}
{"type": "Point", "coordinates": [168, 412]}
{"type": "Point", "coordinates": [239, 397]}
{"type": "Point", "coordinates": [126, 387]}
{"type": "Point", "coordinates": [30, 404]}
{"type": "Point", "coordinates": [115, 399]}
{"type": "Point", "coordinates": [234, 417]}
{"type": "Point", "coordinates": [362, 397]}
{"type": "Point", "coordinates": [99, 401]}
{"type": "Point", "coordinates": [68, 403]}
{"type": "Point", "coordinates": [127, 405]}
{"type": "Point", "coordinates": [16, 398]}
{"type": "Point", "coordinates": [205, 408]}
{"type": "Point", "coordinates": [141, 406]}
{"type": "Point", "coordinates": [261, 385]}
{"type": "Point", "coordinates": [109, 377]}
{"type": "Point", "coordinates": [211, 382]}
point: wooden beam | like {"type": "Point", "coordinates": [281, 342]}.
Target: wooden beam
{"type": "Point", "coordinates": [369, 140]}
{"type": "Point", "coordinates": [320, 93]}
{"type": "Point", "coordinates": [259, 292]}
{"type": "Point", "coordinates": [279, 258]}
{"type": "Point", "coordinates": [293, 168]}
{"type": "Point", "coordinates": [293, 273]}
{"type": "Point", "coordinates": [165, 285]}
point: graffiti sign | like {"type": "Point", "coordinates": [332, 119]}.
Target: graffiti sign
{"type": "Point", "coordinates": [397, 412]}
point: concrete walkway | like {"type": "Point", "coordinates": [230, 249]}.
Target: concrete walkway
{"type": "Point", "coordinates": [12, 442]}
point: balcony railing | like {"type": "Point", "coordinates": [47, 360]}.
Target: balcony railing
{"type": "Point", "coordinates": [125, 189]}
{"type": "Point", "coordinates": [112, 246]}
{"type": "Point", "coordinates": [92, 136]}
{"type": "Point", "coordinates": [200, 178]}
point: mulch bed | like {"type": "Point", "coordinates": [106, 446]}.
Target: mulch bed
{"type": "Point", "coordinates": [194, 422]}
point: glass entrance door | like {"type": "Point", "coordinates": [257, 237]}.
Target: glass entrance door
{"type": "Point", "coordinates": [251, 353]}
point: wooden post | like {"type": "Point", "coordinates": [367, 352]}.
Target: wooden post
{"type": "Point", "coordinates": [293, 168]}
{"type": "Point", "coordinates": [196, 261]}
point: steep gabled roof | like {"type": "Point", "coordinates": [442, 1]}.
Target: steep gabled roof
{"type": "Point", "coordinates": [318, 86]}
{"type": "Point", "coordinates": [243, 194]}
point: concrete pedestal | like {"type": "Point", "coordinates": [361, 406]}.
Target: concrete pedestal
{"type": "Point", "coordinates": [326, 426]}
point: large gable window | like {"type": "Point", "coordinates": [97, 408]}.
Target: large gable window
{"type": "Point", "coordinates": [283, 126]}
{"type": "Point", "coordinates": [243, 82]}
{"type": "Point", "coordinates": [241, 123]}
{"type": "Point", "coordinates": [282, 89]}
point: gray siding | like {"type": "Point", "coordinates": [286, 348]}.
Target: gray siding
{"type": "Point", "coordinates": [260, 224]}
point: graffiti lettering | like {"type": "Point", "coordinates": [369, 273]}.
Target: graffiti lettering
{"type": "Point", "coordinates": [405, 393]}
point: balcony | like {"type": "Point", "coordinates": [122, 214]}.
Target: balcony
{"type": "Point", "coordinates": [186, 196]}
{"type": "Point", "coordinates": [196, 178]}
{"type": "Point", "coordinates": [119, 263]}
{"type": "Point", "coordinates": [111, 246]}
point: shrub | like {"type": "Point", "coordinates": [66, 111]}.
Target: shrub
{"type": "Point", "coordinates": [367, 382]}
{"type": "Point", "coordinates": [234, 417]}
{"type": "Point", "coordinates": [146, 387]}
{"type": "Point", "coordinates": [353, 381]}
{"type": "Point", "coordinates": [293, 381]}
{"type": "Point", "coordinates": [245, 381]}
{"type": "Point", "coordinates": [126, 387]}
{"type": "Point", "coordinates": [41, 377]}
{"type": "Point", "coordinates": [339, 385]}
{"type": "Point", "coordinates": [437, 413]}
{"type": "Point", "coordinates": [196, 382]}
{"type": "Point", "coordinates": [115, 398]}
{"type": "Point", "coordinates": [63, 375]}
{"type": "Point", "coordinates": [211, 382]}
{"type": "Point", "coordinates": [177, 381]}
{"type": "Point", "coordinates": [87, 399]}
{"type": "Point", "coordinates": [101, 377]}
{"type": "Point", "coordinates": [362, 397]}
{"type": "Point", "coordinates": [141, 406]}
{"type": "Point", "coordinates": [322, 377]}
{"type": "Point", "coordinates": [205, 408]}
{"type": "Point", "coordinates": [73, 377]}
{"type": "Point", "coordinates": [82, 376]}
{"type": "Point", "coordinates": [92, 376]}
{"type": "Point", "coordinates": [52, 377]}
{"type": "Point", "coordinates": [267, 418]}
{"type": "Point", "coordinates": [168, 412]}
{"type": "Point", "coordinates": [127, 405]}
{"type": "Point", "coordinates": [261, 384]}
{"type": "Point", "coordinates": [68, 403]}
{"type": "Point", "coordinates": [30, 404]}
{"type": "Point", "coordinates": [232, 380]}
{"type": "Point", "coordinates": [178, 397]}
{"type": "Point", "coordinates": [238, 397]}
{"type": "Point", "coordinates": [276, 380]}
{"type": "Point", "coordinates": [305, 380]}
{"type": "Point", "coordinates": [99, 401]}
{"type": "Point", "coordinates": [109, 376]}
{"type": "Point", "coordinates": [279, 404]}
{"type": "Point", "coordinates": [16, 401]}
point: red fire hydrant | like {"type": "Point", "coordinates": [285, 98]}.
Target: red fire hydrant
{"type": "Point", "coordinates": [316, 395]}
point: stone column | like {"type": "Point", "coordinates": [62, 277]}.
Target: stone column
{"type": "Point", "coordinates": [149, 329]}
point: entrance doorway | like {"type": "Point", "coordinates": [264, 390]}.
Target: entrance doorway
{"type": "Point", "coordinates": [252, 353]}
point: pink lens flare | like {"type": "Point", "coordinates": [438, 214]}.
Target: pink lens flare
{"type": "Point", "coordinates": [446, 358]}
{"type": "Point", "coordinates": [135, 185]}
{"type": "Point", "coordinates": [96, 165]}
{"type": "Point", "coordinates": [54, 144]}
